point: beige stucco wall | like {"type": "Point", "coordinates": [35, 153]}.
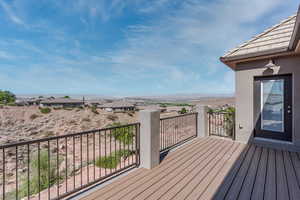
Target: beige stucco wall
{"type": "Point", "coordinates": [245, 117]}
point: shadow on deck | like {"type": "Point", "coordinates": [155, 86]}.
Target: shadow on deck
{"type": "Point", "coordinates": [210, 168]}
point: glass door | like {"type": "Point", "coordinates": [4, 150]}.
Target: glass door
{"type": "Point", "coordinates": [273, 98]}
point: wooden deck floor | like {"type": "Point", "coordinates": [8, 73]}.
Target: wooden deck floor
{"type": "Point", "coordinates": [212, 168]}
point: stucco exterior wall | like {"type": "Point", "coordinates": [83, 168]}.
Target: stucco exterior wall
{"type": "Point", "coordinates": [245, 116]}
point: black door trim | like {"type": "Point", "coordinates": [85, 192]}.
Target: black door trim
{"type": "Point", "coordinates": [288, 117]}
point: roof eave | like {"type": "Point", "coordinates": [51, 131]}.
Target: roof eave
{"type": "Point", "coordinates": [232, 61]}
{"type": "Point", "coordinates": [296, 32]}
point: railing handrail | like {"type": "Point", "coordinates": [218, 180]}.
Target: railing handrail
{"type": "Point", "coordinates": [172, 117]}
{"type": "Point", "coordinates": [172, 130]}
{"type": "Point", "coordinates": [220, 112]}
{"type": "Point", "coordinates": [45, 139]}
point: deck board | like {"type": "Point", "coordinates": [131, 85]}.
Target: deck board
{"type": "Point", "coordinates": [192, 179]}
{"type": "Point", "coordinates": [157, 190]}
{"type": "Point", "coordinates": [259, 184]}
{"type": "Point", "coordinates": [248, 184]}
{"type": "Point", "coordinates": [293, 186]}
{"type": "Point", "coordinates": [270, 184]}
{"type": "Point", "coordinates": [149, 186]}
{"type": "Point", "coordinates": [211, 168]}
{"type": "Point", "coordinates": [237, 184]}
{"type": "Point", "coordinates": [211, 173]}
{"type": "Point", "coordinates": [212, 187]}
{"type": "Point", "coordinates": [281, 180]}
{"type": "Point", "coordinates": [120, 187]}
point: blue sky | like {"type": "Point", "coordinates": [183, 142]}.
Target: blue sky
{"type": "Point", "coordinates": [127, 47]}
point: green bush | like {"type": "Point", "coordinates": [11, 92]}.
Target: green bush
{"type": "Point", "coordinates": [124, 153]}
{"type": "Point", "coordinates": [183, 111]}
{"type": "Point", "coordinates": [45, 110]}
{"type": "Point", "coordinates": [109, 162]}
{"type": "Point", "coordinates": [124, 135]}
{"type": "Point", "coordinates": [94, 110]}
{"type": "Point", "coordinates": [45, 180]}
{"type": "Point", "coordinates": [7, 97]}
{"type": "Point", "coordinates": [11, 104]}
{"type": "Point", "coordinates": [112, 161]}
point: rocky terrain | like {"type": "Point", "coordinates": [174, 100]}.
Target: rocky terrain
{"type": "Point", "coordinates": [25, 123]}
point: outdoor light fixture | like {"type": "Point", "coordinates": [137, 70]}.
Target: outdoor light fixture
{"type": "Point", "coordinates": [271, 64]}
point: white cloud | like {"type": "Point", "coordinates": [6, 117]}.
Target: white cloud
{"type": "Point", "coordinates": [175, 49]}
{"type": "Point", "coordinates": [5, 55]}
{"type": "Point", "coordinates": [189, 40]}
{"type": "Point", "coordinates": [11, 14]}
{"type": "Point", "coordinates": [151, 6]}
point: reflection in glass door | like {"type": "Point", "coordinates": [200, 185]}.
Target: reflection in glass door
{"type": "Point", "coordinates": [272, 105]}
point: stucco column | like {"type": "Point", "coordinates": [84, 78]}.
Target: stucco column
{"type": "Point", "coordinates": [149, 138]}
{"type": "Point", "coordinates": [202, 127]}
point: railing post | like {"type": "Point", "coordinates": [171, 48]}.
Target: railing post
{"type": "Point", "coordinates": [149, 138]}
{"type": "Point", "coordinates": [202, 120]}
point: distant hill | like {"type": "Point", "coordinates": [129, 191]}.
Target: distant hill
{"type": "Point", "coordinates": [181, 97]}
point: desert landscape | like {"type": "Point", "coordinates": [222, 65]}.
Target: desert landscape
{"type": "Point", "coordinates": [24, 123]}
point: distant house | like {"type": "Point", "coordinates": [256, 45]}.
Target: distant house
{"type": "Point", "coordinates": [118, 106]}
{"type": "Point", "coordinates": [26, 101]}
{"type": "Point", "coordinates": [96, 103]}
{"type": "Point", "coordinates": [62, 102]}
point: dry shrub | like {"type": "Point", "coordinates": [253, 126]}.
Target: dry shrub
{"type": "Point", "coordinates": [112, 117]}
{"type": "Point", "coordinates": [33, 116]}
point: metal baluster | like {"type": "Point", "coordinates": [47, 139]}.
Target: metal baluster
{"type": "Point", "coordinates": [105, 150]}
{"type": "Point", "coordinates": [136, 145]}
{"type": "Point", "coordinates": [88, 160]}
{"type": "Point", "coordinates": [110, 147]}
{"type": "Point", "coordinates": [74, 173]}
{"type": "Point", "coordinates": [94, 156]}
{"type": "Point", "coordinates": [17, 187]}
{"type": "Point", "coordinates": [3, 177]}
{"type": "Point", "coordinates": [66, 163]}
{"type": "Point", "coordinates": [81, 165]}
{"type": "Point", "coordinates": [39, 169]}
{"type": "Point", "coordinates": [133, 140]}
{"type": "Point", "coordinates": [48, 169]}
{"type": "Point", "coordinates": [128, 147]}
{"type": "Point", "coordinates": [115, 141]}
{"type": "Point", "coordinates": [28, 171]}
{"type": "Point", "coordinates": [57, 166]}
{"type": "Point", "coordinates": [99, 152]}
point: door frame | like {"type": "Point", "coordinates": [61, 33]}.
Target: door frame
{"type": "Point", "coordinates": [288, 101]}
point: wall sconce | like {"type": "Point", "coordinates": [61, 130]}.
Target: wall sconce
{"type": "Point", "coordinates": [270, 64]}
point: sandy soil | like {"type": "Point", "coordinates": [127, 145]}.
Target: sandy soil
{"type": "Point", "coordinates": [26, 123]}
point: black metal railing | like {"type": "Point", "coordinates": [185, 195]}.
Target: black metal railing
{"type": "Point", "coordinates": [176, 130]}
{"type": "Point", "coordinates": [54, 167]}
{"type": "Point", "coordinates": [221, 123]}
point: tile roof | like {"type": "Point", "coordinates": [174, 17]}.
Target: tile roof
{"type": "Point", "coordinates": [277, 37]}
{"type": "Point", "coordinates": [62, 100]}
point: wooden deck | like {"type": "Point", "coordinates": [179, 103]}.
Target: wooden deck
{"type": "Point", "coordinates": [212, 168]}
